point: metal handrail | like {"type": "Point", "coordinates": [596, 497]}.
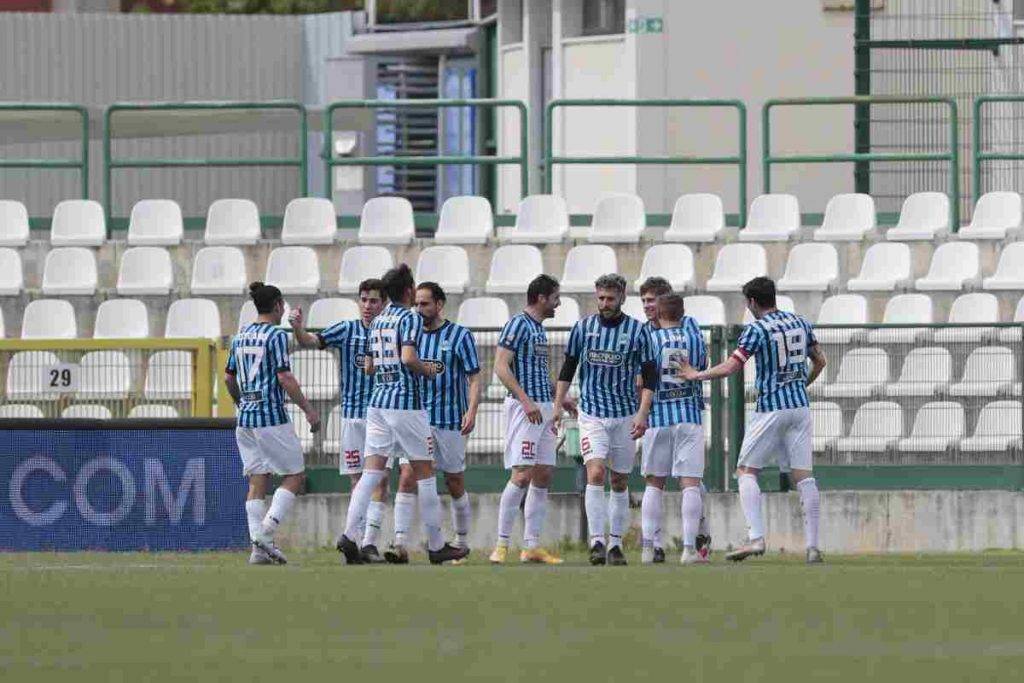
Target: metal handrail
{"type": "Point", "coordinates": [81, 164]}
{"type": "Point", "coordinates": [978, 156]}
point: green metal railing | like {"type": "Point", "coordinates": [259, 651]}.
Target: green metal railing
{"type": "Point", "coordinates": [739, 159]}
{"type": "Point", "coordinates": [300, 161]}
{"type": "Point", "coordinates": [952, 156]}
{"type": "Point", "coordinates": [81, 164]}
{"type": "Point", "coordinates": [979, 155]}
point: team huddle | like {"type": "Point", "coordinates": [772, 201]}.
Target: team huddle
{"type": "Point", "coordinates": [411, 389]}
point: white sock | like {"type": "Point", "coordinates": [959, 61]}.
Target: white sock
{"type": "Point", "coordinates": [536, 511]}
{"type": "Point", "coordinates": [691, 507]}
{"type": "Point", "coordinates": [593, 502]}
{"type": "Point", "coordinates": [508, 510]}
{"type": "Point", "coordinates": [618, 516]}
{"type": "Point", "coordinates": [460, 520]}
{"type": "Point", "coordinates": [255, 511]}
{"type": "Point", "coordinates": [374, 518]}
{"type": "Point", "coordinates": [280, 505]}
{"type": "Point", "coordinates": [750, 501]}
{"type": "Point", "coordinates": [358, 503]}
{"type": "Point", "coordinates": [430, 512]}
{"type": "Point", "coordinates": [703, 529]}
{"type": "Point", "coordinates": [405, 508]}
{"type": "Point", "coordinates": [650, 517]}
{"type": "Point", "coordinates": [810, 499]}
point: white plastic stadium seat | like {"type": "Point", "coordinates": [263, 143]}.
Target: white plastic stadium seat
{"type": "Point", "coordinates": [489, 435]}
{"type": "Point", "coordinates": [828, 424]}
{"type": "Point", "coordinates": [121, 319]}
{"type": "Point", "coordinates": [772, 218]}
{"type": "Point", "coordinates": [848, 218]}
{"type": "Point", "coordinates": [841, 309]}
{"type": "Point", "coordinates": [1012, 334]}
{"type": "Point", "coordinates": [782, 302]}
{"type": "Point", "coordinates": [977, 307]}
{"type": "Point", "coordinates": [633, 306]}
{"type": "Point", "coordinates": [904, 309]}
{"type": "Point", "coordinates": [12, 279]}
{"type": "Point", "coordinates": [810, 268]}
{"type": "Point", "coordinates": [360, 263]}
{"type": "Point", "coordinates": [232, 222]}
{"type": "Point", "coordinates": [20, 410]}
{"type": "Point", "coordinates": [618, 218]}
{"type": "Point", "coordinates": [325, 312]}
{"type": "Point", "coordinates": [448, 266]}
{"type": "Point", "coordinates": [584, 264]}
{"type": "Point", "coordinates": [192, 318]}
{"type": "Point", "coordinates": [219, 270]}
{"type": "Point", "coordinates": [735, 265]}
{"type": "Point", "coordinates": [925, 372]}
{"type": "Point", "coordinates": [387, 220]}
{"type": "Point", "coordinates": [86, 411]}
{"type": "Point", "coordinates": [465, 220]}
{"type": "Point", "coordinates": [27, 377]}
{"type": "Point", "coordinates": [155, 223]}
{"type": "Point", "coordinates": [1010, 269]}
{"type": "Point", "coordinates": [566, 315]}
{"type": "Point", "coordinates": [145, 271]}
{"type": "Point", "coordinates": [513, 266]}
{"type": "Point", "coordinates": [998, 428]}
{"type": "Point", "coordinates": [69, 271]}
{"type": "Point", "coordinates": [674, 262]}
{"type": "Point", "coordinates": [293, 270]}
{"type": "Point", "coordinates": [168, 376]}
{"type": "Point", "coordinates": [152, 410]}
{"type": "Point", "coordinates": [862, 373]}
{"type": "Point", "coordinates": [317, 373]}
{"type": "Point", "coordinates": [954, 266]}
{"type": "Point", "coordinates": [247, 314]}
{"type": "Point", "coordinates": [989, 371]}
{"type": "Point", "coordinates": [937, 426]}
{"type": "Point", "coordinates": [485, 312]}
{"type": "Point", "coordinates": [923, 216]}
{"type": "Point", "coordinates": [78, 223]}
{"type": "Point", "coordinates": [697, 217]}
{"type": "Point", "coordinates": [541, 219]}
{"type": "Point", "coordinates": [49, 319]}
{"type": "Point", "coordinates": [309, 220]}
{"type": "Point", "coordinates": [995, 215]}
{"type": "Point", "coordinates": [301, 426]}
{"type": "Point", "coordinates": [885, 268]}
{"type": "Point", "coordinates": [105, 375]}
{"type": "Point", "coordinates": [876, 426]}
{"type": "Point", "coordinates": [706, 310]}
{"type": "Point", "coordinates": [13, 223]}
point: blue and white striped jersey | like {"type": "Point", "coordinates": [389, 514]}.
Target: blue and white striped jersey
{"type": "Point", "coordinates": [451, 347]}
{"type": "Point", "coordinates": [779, 342]}
{"type": "Point", "coordinates": [395, 387]}
{"type": "Point", "coordinates": [677, 400]}
{"type": "Point", "coordinates": [527, 339]}
{"type": "Point", "coordinates": [352, 340]}
{"type": "Point", "coordinates": [258, 353]}
{"type": "Point", "coordinates": [609, 358]}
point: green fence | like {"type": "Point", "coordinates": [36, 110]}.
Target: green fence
{"type": "Point", "coordinates": [979, 154]}
{"type": "Point", "coordinates": [81, 164]}
{"type": "Point", "coordinates": [952, 156]}
{"type": "Point", "coordinates": [300, 161]}
{"type": "Point", "coordinates": [739, 159]}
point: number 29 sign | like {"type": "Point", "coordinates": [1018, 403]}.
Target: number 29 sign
{"type": "Point", "coordinates": [61, 378]}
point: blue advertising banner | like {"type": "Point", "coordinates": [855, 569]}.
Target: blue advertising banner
{"type": "Point", "coordinates": [121, 489]}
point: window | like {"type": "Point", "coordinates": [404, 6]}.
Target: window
{"type": "Point", "coordinates": [601, 17]}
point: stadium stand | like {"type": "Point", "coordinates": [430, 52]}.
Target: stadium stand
{"type": "Point", "coordinates": [541, 219]}
{"type": "Point", "coordinates": [446, 265]}
{"type": "Point", "coordinates": [904, 309]}
{"type": "Point", "coordinates": [105, 375]}
{"type": "Point", "coordinates": [566, 314]}
{"type": "Point", "coordinates": [309, 220]}
{"type": "Point", "coordinates": [219, 270]}
{"type": "Point", "coordinates": [810, 268]}
{"type": "Point", "coordinates": [465, 220]}
{"type": "Point", "coordinates": [512, 268]}
{"type": "Point", "coordinates": [87, 411]}
{"type": "Point", "coordinates": [325, 312]}
{"type": "Point", "coordinates": [923, 216]}
{"type": "Point", "coordinates": [317, 372]}
{"type": "Point", "coordinates": [707, 310]}
{"type": "Point", "coordinates": [618, 218]}
{"type": "Point", "coordinates": [190, 318]}
{"type": "Point", "coordinates": [293, 270]}
{"type": "Point", "coordinates": [483, 313]}
{"type": "Point", "coordinates": [989, 371]}
{"type": "Point", "coordinates": [387, 220]}
{"type": "Point", "coordinates": [885, 268]}
{"type": "Point", "coordinates": [155, 222]}
{"type": "Point", "coordinates": [862, 373]}
{"type": "Point", "coordinates": [696, 217]}
{"type": "Point", "coordinates": [145, 271]}
{"type": "Point", "coordinates": [13, 223]}
{"type": "Point", "coordinates": [49, 319]}
{"type": "Point", "coordinates": [78, 223]}
{"type": "Point", "coordinates": [876, 427]}
{"type": "Point", "coordinates": [584, 264]}
{"type": "Point", "coordinates": [1012, 334]}
{"type": "Point", "coordinates": [360, 263]}
{"type": "Point", "coordinates": [20, 410]}
{"type": "Point", "coordinates": [937, 426]}
{"type": "Point", "coordinates": [974, 308]}
{"type": "Point", "coordinates": [147, 411]}
{"type": "Point", "coordinates": [12, 278]}
{"type": "Point", "coordinates": [735, 265]}
{"type": "Point", "coordinates": [70, 271]}
{"type": "Point", "coordinates": [121, 319]}
{"type": "Point", "coordinates": [772, 218]}
{"type": "Point", "coordinates": [925, 372]}
{"type": "Point", "coordinates": [841, 309]}
{"type": "Point", "coordinates": [674, 262]}
{"type": "Point", "coordinates": [848, 218]}
{"type": "Point", "coordinates": [25, 382]}
{"type": "Point", "coordinates": [1009, 273]}
{"type": "Point", "coordinates": [828, 424]}
{"type": "Point", "coordinates": [995, 215]}
{"type": "Point", "coordinates": [232, 222]}
{"type": "Point", "coordinates": [168, 376]}
{"type": "Point", "coordinates": [998, 424]}
{"type": "Point", "coordinates": [955, 266]}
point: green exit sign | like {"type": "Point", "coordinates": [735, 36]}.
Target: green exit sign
{"type": "Point", "coordinates": [646, 25]}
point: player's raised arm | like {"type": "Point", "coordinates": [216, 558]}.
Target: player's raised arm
{"type": "Point", "coordinates": [749, 341]}
{"type": "Point", "coordinates": [303, 338]}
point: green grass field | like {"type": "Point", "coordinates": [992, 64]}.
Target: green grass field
{"type": "Point", "coordinates": [209, 617]}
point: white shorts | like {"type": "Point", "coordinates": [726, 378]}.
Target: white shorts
{"type": "Point", "coordinates": [352, 440]}
{"type": "Point", "coordinates": [785, 437]}
{"type": "Point", "coordinates": [391, 431]}
{"type": "Point", "coordinates": [526, 443]}
{"type": "Point", "coordinates": [608, 438]}
{"type": "Point", "coordinates": [677, 450]}
{"type": "Point", "coordinates": [270, 450]}
{"type": "Point", "coordinates": [449, 448]}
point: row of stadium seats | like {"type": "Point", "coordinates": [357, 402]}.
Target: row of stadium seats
{"type": "Point", "coordinates": [540, 219]}
{"type": "Point", "coordinates": [105, 375]}
{"type": "Point", "coordinates": [90, 411]}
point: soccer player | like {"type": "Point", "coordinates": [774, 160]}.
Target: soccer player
{"type": "Point", "coordinates": [610, 349]}
{"type": "Point", "coordinates": [674, 444]}
{"type": "Point", "coordinates": [781, 343]}
{"type": "Point", "coordinates": [258, 376]}
{"type": "Point", "coordinates": [521, 364]}
{"type": "Point", "coordinates": [396, 419]}
{"type": "Point", "coordinates": [352, 340]}
{"type": "Point", "coordinates": [451, 410]}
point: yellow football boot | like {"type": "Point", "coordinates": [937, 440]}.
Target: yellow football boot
{"type": "Point", "coordinates": [499, 555]}
{"type": "Point", "coordinates": [538, 556]}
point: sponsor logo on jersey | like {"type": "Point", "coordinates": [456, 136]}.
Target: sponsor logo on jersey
{"type": "Point", "coordinates": [359, 359]}
{"type": "Point", "coordinates": [611, 359]}
{"type": "Point", "coordinates": [439, 365]}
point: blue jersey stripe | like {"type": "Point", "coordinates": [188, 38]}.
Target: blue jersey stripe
{"type": "Point", "coordinates": [677, 401]}
{"type": "Point", "coordinates": [394, 385]}
{"type": "Point", "coordinates": [528, 341]}
{"type": "Point", "coordinates": [610, 358]}
{"type": "Point", "coordinates": [445, 397]}
{"type": "Point", "coordinates": [352, 340]}
{"type": "Point", "coordinates": [258, 353]}
{"type": "Point", "coordinates": [779, 342]}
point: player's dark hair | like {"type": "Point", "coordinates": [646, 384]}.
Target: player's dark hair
{"type": "Point", "coordinates": [397, 282]}
{"type": "Point", "coordinates": [612, 281]}
{"type": "Point", "coordinates": [372, 284]}
{"type": "Point", "coordinates": [671, 307]}
{"type": "Point", "coordinates": [762, 291]}
{"type": "Point", "coordinates": [656, 285]}
{"type": "Point", "coordinates": [264, 296]}
{"type": "Point", "coordinates": [436, 293]}
{"type": "Point", "coordinates": [542, 285]}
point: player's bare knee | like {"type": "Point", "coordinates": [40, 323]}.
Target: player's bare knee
{"type": "Point", "coordinates": [656, 482]}
{"type": "Point", "coordinates": [456, 483]}
{"type": "Point", "coordinates": [407, 479]}
{"type": "Point", "coordinates": [258, 486]}
{"type": "Point", "coordinates": [542, 475]}
{"type": "Point", "coordinates": [799, 475]}
{"type": "Point", "coordinates": [620, 481]}
{"type": "Point", "coordinates": [687, 482]}
{"type": "Point", "coordinates": [741, 470]}
{"type": "Point", "coordinates": [521, 476]}
{"type": "Point", "coordinates": [595, 472]}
